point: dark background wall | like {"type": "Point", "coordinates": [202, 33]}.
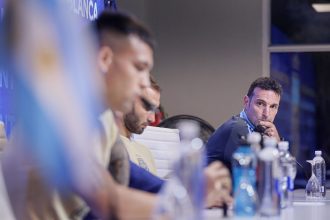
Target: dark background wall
{"type": "Point", "coordinates": [208, 53]}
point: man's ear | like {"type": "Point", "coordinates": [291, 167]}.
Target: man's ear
{"type": "Point", "coordinates": [246, 101]}
{"type": "Point", "coordinates": [105, 58]}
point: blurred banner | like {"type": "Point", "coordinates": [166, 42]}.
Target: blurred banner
{"type": "Point", "coordinates": [6, 87]}
{"type": "Point", "coordinates": [1, 9]}
{"type": "Point", "coordinates": [56, 92]}
{"type": "Point", "coordinates": [86, 10]}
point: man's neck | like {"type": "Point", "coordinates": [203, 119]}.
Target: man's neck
{"type": "Point", "coordinates": [126, 133]}
{"type": "Point", "coordinates": [123, 130]}
{"type": "Point", "coordinates": [121, 126]}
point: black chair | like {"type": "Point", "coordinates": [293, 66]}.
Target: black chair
{"type": "Point", "coordinates": [206, 130]}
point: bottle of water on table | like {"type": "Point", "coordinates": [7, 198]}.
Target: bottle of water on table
{"type": "Point", "coordinates": [244, 175]}
{"type": "Point", "coordinates": [270, 174]}
{"type": "Point", "coordinates": [320, 171]}
{"type": "Point", "coordinates": [288, 174]}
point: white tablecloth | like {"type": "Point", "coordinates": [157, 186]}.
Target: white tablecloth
{"type": "Point", "coordinates": [301, 210]}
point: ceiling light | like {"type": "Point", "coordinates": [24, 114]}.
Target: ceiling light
{"type": "Point", "coordinates": [321, 7]}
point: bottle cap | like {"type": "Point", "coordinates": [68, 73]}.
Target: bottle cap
{"type": "Point", "coordinates": [318, 153]}
{"type": "Point", "coordinates": [283, 145]}
{"type": "Point", "coordinates": [254, 138]}
{"type": "Point", "coordinates": [268, 154]}
{"type": "Point", "coordinates": [188, 129]}
{"type": "Point", "coordinates": [269, 142]}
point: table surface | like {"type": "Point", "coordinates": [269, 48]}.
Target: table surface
{"type": "Point", "coordinates": [301, 210]}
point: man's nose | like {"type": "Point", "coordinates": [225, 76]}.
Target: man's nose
{"type": "Point", "coordinates": [144, 80]}
{"type": "Point", "coordinates": [265, 112]}
{"type": "Point", "coordinates": [151, 117]}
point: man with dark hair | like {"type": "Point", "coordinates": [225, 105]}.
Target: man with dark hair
{"type": "Point", "coordinates": [137, 120]}
{"type": "Point", "coordinates": [125, 57]}
{"type": "Point", "coordinates": [121, 24]}
{"type": "Point", "coordinates": [124, 60]}
{"type": "Point", "coordinates": [260, 108]}
{"type": "Point", "coordinates": [142, 114]}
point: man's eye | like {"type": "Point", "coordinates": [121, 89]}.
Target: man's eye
{"type": "Point", "coordinates": [147, 105]}
{"type": "Point", "coordinates": [140, 67]}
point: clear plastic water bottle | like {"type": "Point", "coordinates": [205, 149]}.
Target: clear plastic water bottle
{"type": "Point", "coordinates": [270, 173]}
{"type": "Point", "coordinates": [243, 166]}
{"type": "Point", "coordinates": [288, 174]}
{"type": "Point", "coordinates": [254, 139]}
{"type": "Point", "coordinates": [320, 171]}
{"type": "Point", "coordinates": [292, 171]}
{"type": "Point", "coordinates": [182, 197]}
{"type": "Point", "coordinates": [284, 180]}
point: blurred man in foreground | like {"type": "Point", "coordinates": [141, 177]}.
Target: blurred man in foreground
{"type": "Point", "coordinates": [124, 59]}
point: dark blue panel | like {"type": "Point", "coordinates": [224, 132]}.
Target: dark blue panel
{"type": "Point", "coordinates": [296, 119]}
{"type": "Point", "coordinates": [6, 88]}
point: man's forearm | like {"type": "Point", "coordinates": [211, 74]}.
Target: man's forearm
{"type": "Point", "coordinates": [109, 199]}
{"type": "Point", "coordinates": [134, 204]}
{"type": "Point", "coordinates": [102, 197]}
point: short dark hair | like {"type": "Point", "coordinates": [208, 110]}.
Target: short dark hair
{"type": "Point", "coordinates": [122, 24]}
{"type": "Point", "coordinates": [265, 83]}
{"type": "Point", "coordinates": [154, 84]}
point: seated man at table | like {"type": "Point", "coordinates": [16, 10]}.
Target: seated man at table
{"type": "Point", "coordinates": [261, 104]}
{"type": "Point", "coordinates": [142, 114]}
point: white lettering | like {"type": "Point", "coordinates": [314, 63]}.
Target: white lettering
{"type": "Point", "coordinates": [75, 8]}
{"type": "Point", "coordinates": [90, 6]}
{"type": "Point", "coordinates": [84, 8]}
{"type": "Point", "coordinates": [95, 11]}
{"type": "Point", "coordinates": [80, 8]}
{"type": "Point", "coordinates": [6, 80]}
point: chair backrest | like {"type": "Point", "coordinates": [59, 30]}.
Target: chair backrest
{"type": "Point", "coordinates": [164, 140]}
{"type": "Point", "coordinates": [206, 130]}
{"type": "Point", "coordinates": [163, 144]}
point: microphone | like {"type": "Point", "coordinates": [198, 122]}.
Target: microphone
{"type": "Point", "coordinates": [260, 129]}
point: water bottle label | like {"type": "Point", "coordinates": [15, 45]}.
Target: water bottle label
{"type": "Point", "coordinates": [277, 184]}
{"type": "Point", "coordinates": [238, 173]}
{"type": "Point", "coordinates": [290, 184]}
